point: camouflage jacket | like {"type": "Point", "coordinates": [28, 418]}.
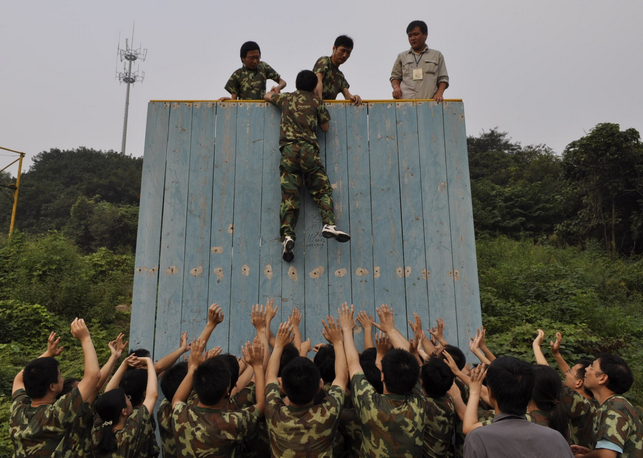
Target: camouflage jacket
{"type": "Point", "coordinates": [580, 412]}
{"type": "Point", "coordinates": [245, 397]}
{"type": "Point", "coordinates": [439, 418]}
{"type": "Point", "coordinates": [333, 81]}
{"type": "Point", "coordinates": [131, 440]}
{"type": "Point", "coordinates": [392, 425]}
{"type": "Point", "coordinates": [164, 417]}
{"type": "Point", "coordinates": [79, 439]}
{"type": "Point", "coordinates": [618, 422]}
{"type": "Point", "coordinates": [202, 431]}
{"type": "Point", "coordinates": [301, 114]}
{"type": "Point", "coordinates": [40, 431]}
{"type": "Point", "coordinates": [298, 432]}
{"type": "Point", "coordinates": [251, 84]}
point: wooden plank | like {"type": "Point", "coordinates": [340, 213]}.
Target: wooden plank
{"type": "Point", "coordinates": [247, 222]}
{"type": "Point", "coordinates": [270, 277]}
{"type": "Point", "coordinates": [437, 226]}
{"type": "Point", "coordinates": [339, 254]}
{"type": "Point", "coordinates": [359, 201]}
{"type": "Point", "coordinates": [199, 217]}
{"type": "Point", "coordinates": [412, 216]}
{"type": "Point", "coordinates": [149, 227]}
{"type": "Point", "coordinates": [315, 262]}
{"type": "Point", "coordinates": [220, 272]}
{"type": "Point", "coordinates": [465, 273]}
{"type": "Point", "coordinates": [173, 234]}
{"type": "Point", "coordinates": [388, 270]}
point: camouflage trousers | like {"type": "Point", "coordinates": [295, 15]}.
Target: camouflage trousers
{"type": "Point", "coordinates": [301, 162]}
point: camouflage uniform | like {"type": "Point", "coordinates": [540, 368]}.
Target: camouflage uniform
{"type": "Point", "coordinates": [539, 417]}
{"type": "Point", "coordinates": [618, 422]}
{"type": "Point", "coordinates": [333, 81]}
{"type": "Point", "coordinates": [439, 425]}
{"type": "Point", "coordinates": [302, 112]}
{"type": "Point", "coordinates": [392, 425]}
{"type": "Point", "coordinates": [131, 440]}
{"type": "Point", "coordinates": [302, 432]}
{"type": "Point", "coordinates": [164, 417]}
{"type": "Point", "coordinates": [245, 397]}
{"type": "Point", "coordinates": [149, 445]}
{"type": "Point", "coordinates": [459, 435]}
{"type": "Point", "coordinates": [79, 439]}
{"type": "Point", "coordinates": [251, 84]}
{"type": "Point", "coordinates": [350, 427]}
{"type": "Point", "coordinates": [202, 431]}
{"type": "Point", "coordinates": [40, 431]}
{"type": "Point", "coordinates": [580, 412]}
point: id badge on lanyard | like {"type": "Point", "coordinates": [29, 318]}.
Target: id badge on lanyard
{"type": "Point", "coordinates": [417, 74]}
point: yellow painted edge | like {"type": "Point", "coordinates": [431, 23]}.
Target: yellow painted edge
{"type": "Point", "coordinates": [326, 101]}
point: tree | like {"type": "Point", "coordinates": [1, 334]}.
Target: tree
{"type": "Point", "coordinates": [605, 168]}
{"type": "Point", "coordinates": [516, 190]}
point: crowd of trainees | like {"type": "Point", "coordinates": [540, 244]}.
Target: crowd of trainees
{"type": "Point", "coordinates": [418, 73]}
{"type": "Point", "coordinates": [398, 398]}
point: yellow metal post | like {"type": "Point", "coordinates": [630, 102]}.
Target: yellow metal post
{"type": "Point", "coordinates": [15, 192]}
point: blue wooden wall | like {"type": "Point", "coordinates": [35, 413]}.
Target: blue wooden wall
{"type": "Point", "coordinates": [209, 221]}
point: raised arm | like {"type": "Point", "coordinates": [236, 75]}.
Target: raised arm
{"type": "Point", "coordinates": [438, 332]}
{"type": "Point", "coordinates": [271, 311]}
{"type": "Point", "coordinates": [474, 346]}
{"type": "Point", "coordinates": [538, 352]}
{"type": "Point", "coordinates": [151, 390]}
{"type": "Point", "coordinates": [280, 87]}
{"type": "Point", "coordinates": [366, 321]}
{"type": "Point", "coordinates": [53, 349]}
{"type": "Point", "coordinates": [116, 348]}
{"type": "Point", "coordinates": [456, 395]}
{"type": "Point", "coordinates": [132, 361]}
{"type": "Point", "coordinates": [196, 358]}
{"type": "Point", "coordinates": [92, 369]}
{"type": "Point", "coordinates": [348, 323]}
{"type": "Point", "coordinates": [333, 333]}
{"type": "Point", "coordinates": [382, 346]}
{"type": "Point", "coordinates": [253, 354]}
{"type": "Point", "coordinates": [555, 350]}
{"type": "Point", "coordinates": [283, 338]}
{"type": "Point", "coordinates": [258, 318]}
{"type": "Point", "coordinates": [295, 319]}
{"type": "Point", "coordinates": [470, 421]}
{"type": "Point", "coordinates": [354, 97]}
{"type": "Point", "coordinates": [483, 345]}
{"type": "Point", "coordinates": [168, 361]}
{"type": "Point", "coordinates": [215, 318]}
{"type": "Point", "coordinates": [416, 326]}
{"type": "Point", "coordinates": [387, 325]}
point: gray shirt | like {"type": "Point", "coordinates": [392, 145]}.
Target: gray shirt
{"type": "Point", "coordinates": [433, 69]}
{"type": "Point", "coordinates": [511, 436]}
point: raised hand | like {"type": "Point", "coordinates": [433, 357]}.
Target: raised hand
{"type": "Point", "coordinates": [555, 346]}
{"type": "Point", "coordinates": [215, 315]}
{"type": "Point", "coordinates": [216, 351]}
{"type": "Point", "coordinates": [305, 348]}
{"type": "Point", "coordinates": [438, 331]}
{"type": "Point", "coordinates": [477, 375]}
{"type": "Point", "coordinates": [258, 318]}
{"type": "Point", "coordinates": [271, 310]}
{"type": "Point", "coordinates": [253, 353]}
{"type": "Point", "coordinates": [295, 318]}
{"type": "Point", "coordinates": [332, 331]}
{"type": "Point", "coordinates": [79, 329]}
{"type": "Point", "coordinates": [284, 335]}
{"type": "Point", "coordinates": [53, 348]}
{"type": "Point", "coordinates": [387, 319]}
{"type": "Point", "coordinates": [346, 314]}
{"type": "Point", "coordinates": [196, 355]}
{"type": "Point", "coordinates": [365, 320]}
{"type": "Point", "coordinates": [382, 343]}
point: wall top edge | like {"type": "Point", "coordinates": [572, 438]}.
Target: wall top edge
{"type": "Point", "coordinates": [326, 101]}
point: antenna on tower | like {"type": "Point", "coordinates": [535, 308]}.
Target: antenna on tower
{"type": "Point", "coordinates": [128, 56]}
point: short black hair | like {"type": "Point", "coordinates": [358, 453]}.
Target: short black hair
{"type": "Point", "coordinates": [457, 355]}
{"type": "Point", "coordinates": [512, 383]}
{"type": "Point", "coordinates": [620, 378]}
{"type": "Point", "coordinates": [247, 47]}
{"type": "Point", "coordinates": [68, 385]}
{"type": "Point", "coordinates": [421, 24]}
{"type": "Point", "coordinates": [300, 380]}
{"type": "Point", "coordinates": [437, 377]}
{"type": "Point", "coordinates": [401, 371]}
{"type": "Point", "coordinates": [306, 81]}
{"type": "Point", "coordinates": [325, 362]}
{"type": "Point", "coordinates": [211, 381]}
{"type": "Point", "coordinates": [38, 375]}
{"type": "Point", "coordinates": [233, 366]}
{"type": "Point", "coordinates": [345, 41]}
{"type": "Point", "coordinates": [372, 373]}
{"type": "Point", "coordinates": [289, 353]}
{"type": "Point", "coordinates": [172, 379]}
{"type": "Point", "coordinates": [134, 384]}
{"type": "Point", "coordinates": [546, 395]}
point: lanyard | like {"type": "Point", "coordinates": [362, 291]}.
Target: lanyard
{"type": "Point", "coordinates": [417, 61]}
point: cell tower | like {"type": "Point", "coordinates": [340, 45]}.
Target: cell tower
{"type": "Point", "coordinates": [128, 56]}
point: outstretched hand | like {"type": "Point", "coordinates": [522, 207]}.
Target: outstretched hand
{"type": "Point", "coordinates": [555, 346]}
{"type": "Point", "coordinates": [215, 315]}
{"type": "Point", "coordinates": [196, 355]}
{"type": "Point", "coordinates": [258, 318]}
{"type": "Point", "coordinates": [346, 317]}
{"type": "Point", "coordinates": [387, 319]}
{"type": "Point", "coordinates": [79, 329]}
{"type": "Point", "coordinates": [332, 331]}
{"type": "Point", "coordinates": [284, 335]}
{"type": "Point", "coordinates": [53, 348]}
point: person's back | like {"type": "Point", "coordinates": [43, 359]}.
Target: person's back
{"type": "Point", "coordinates": [301, 113]}
{"type": "Point", "coordinates": [510, 383]}
{"type": "Point", "coordinates": [440, 414]}
{"type": "Point", "coordinates": [393, 422]}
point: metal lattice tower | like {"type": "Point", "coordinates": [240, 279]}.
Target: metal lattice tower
{"type": "Point", "coordinates": [128, 56]}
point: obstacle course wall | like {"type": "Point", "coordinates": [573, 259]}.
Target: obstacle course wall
{"type": "Point", "coordinates": [209, 221]}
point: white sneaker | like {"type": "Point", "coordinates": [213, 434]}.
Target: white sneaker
{"type": "Point", "coordinates": [331, 232]}
{"type": "Point", "coordinates": [287, 255]}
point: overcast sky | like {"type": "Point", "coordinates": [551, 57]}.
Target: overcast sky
{"type": "Point", "coordinates": [544, 71]}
